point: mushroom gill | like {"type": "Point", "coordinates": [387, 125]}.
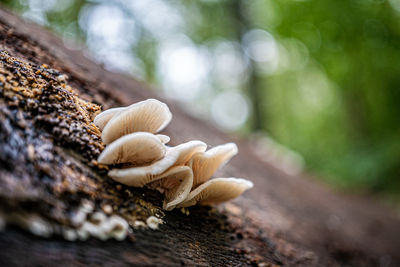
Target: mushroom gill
{"type": "Point", "coordinates": [150, 115]}
{"type": "Point", "coordinates": [136, 148]}
{"type": "Point", "coordinates": [175, 183]}
{"type": "Point", "coordinates": [204, 164]}
{"type": "Point", "coordinates": [175, 156]}
{"type": "Point", "coordinates": [104, 117]}
{"type": "Point", "coordinates": [216, 191]}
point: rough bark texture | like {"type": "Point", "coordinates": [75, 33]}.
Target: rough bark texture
{"type": "Point", "coordinates": [47, 151]}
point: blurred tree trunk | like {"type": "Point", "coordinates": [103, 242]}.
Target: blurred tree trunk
{"type": "Point", "coordinates": [253, 86]}
{"type": "Point", "coordinates": [47, 148]}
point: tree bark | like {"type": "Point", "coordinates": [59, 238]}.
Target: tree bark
{"type": "Point", "coordinates": [48, 148]}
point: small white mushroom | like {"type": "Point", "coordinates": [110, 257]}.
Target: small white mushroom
{"type": "Point", "coordinates": [216, 191]}
{"type": "Point", "coordinates": [150, 115]}
{"type": "Point", "coordinates": [82, 233]}
{"type": "Point", "coordinates": [98, 217]}
{"type": "Point", "coordinates": [38, 226]}
{"type": "Point", "coordinates": [103, 227]}
{"type": "Point", "coordinates": [175, 156]}
{"type": "Point", "coordinates": [91, 229]}
{"type": "Point", "coordinates": [107, 209]}
{"type": "Point", "coordinates": [153, 222]}
{"type": "Point", "coordinates": [136, 148]}
{"type": "Point", "coordinates": [175, 183]}
{"type": "Point", "coordinates": [104, 117]}
{"type": "Point", "coordinates": [204, 164]}
{"type": "Point", "coordinates": [80, 215]}
{"type": "Point", "coordinates": [69, 234]}
{"type": "Point", "coordinates": [163, 138]}
{"type": "Point", "coordinates": [116, 227]}
{"type": "Point", "coordinates": [86, 206]}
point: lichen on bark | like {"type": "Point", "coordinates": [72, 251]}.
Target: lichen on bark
{"type": "Point", "coordinates": [47, 128]}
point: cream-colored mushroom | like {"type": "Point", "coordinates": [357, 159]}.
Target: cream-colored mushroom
{"type": "Point", "coordinates": [136, 148]}
{"type": "Point", "coordinates": [104, 117]}
{"type": "Point", "coordinates": [175, 156]}
{"type": "Point", "coordinates": [216, 191]}
{"type": "Point", "coordinates": [150, 115]}
{"type": "Point", "coordinates": [204, 164]}
{"type": "Point", "coordinates": [175, 183]}
{"type": "Point", "coordinates": [163, 138]}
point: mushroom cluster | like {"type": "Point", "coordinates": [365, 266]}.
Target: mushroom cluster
{"type": "Point", "coordinates": [140, 157]}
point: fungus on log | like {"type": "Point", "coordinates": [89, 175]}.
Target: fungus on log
{"type": "Point", "coordinates": [150, 115]}
{"type": "Point", "coordinates": [142, 148]}
{"type": "Point", "coordinates": [51, 186]}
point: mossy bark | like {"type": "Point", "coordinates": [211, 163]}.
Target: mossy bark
{"type": "Point", "coordinates": [48, 146]}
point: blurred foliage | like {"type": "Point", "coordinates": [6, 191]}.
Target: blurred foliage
{"type": "Point", "coordinates": [332, 93]}
{"type": "Point", "coordinates": [341, 111]}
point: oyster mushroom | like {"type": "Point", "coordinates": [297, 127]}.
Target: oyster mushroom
{"type": "Point", "coordinates": [204, 164]}
{"type": "Point", "coordinates": [129, 133]}
{"type": "Point", "coordinates": [150, 115]}
{"type": "Point", "coordinates": [136, 148]}
{"type": "Point", "coordinates": [216, 191]}
{"type": "Point", "coordinates": [104, 117]}
{"type": "Point", "coordinates": [175, 183]}
{"type": "Point", "coordinates": [175, 156]}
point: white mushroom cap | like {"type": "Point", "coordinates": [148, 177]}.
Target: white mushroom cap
{"type": "Point", "coordinates": [135, 148]}
{"type": "Point", "coordinates": [204, 164]}
{"type": "Point", "coordinates": [163, 138]}
{"type": "Point", "coordinates": [104, 117]}
{"type": "Point", "coordinates": [150, 115]}
{"type": "Point", "coordinates": [216, 191]}
{"type": "Point", "coordinates": [176, 184]}
{"type": "Point", "coordinates": [175, 156]}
